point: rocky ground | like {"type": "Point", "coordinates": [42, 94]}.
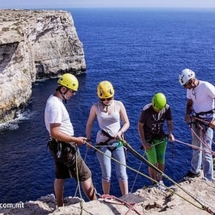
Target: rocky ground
{"type": "Point", "coordinates": [174, 200]}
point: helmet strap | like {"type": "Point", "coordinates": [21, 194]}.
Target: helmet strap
{"type": "Point", "coordinates": [105, 106]}
{"type": "Point", "coordinates": [193, 85]}
{"type": "Point", "coordinates": [62, 94]}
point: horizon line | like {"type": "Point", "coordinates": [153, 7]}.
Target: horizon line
{"type": "Point", "coordinates": [109, 7]}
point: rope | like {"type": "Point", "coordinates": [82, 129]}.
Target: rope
{"type": "Point", "coordinates": [194, 147]}
{"type": "Point", "coordinates": [78, 185]}
{"type": "Point", "coordinates": [203, 207]}
{"type": "Point", "coordinates": [136, 177]}
{"type": "Point", "coordinates": [140, 168]}
{"type": "Point", "coordinates": [206, 123]}
{"type": "Point", "coordinates": [108, 198]}
{"type": "Point", "coordinates": [201, 120]}
{"type": "Point", "coordinates": [202, 141]}
{"type": "Point", "coordinates": [169, 189]}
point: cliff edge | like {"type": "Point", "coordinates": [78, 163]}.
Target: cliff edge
{"type": "Point", "coordinates": [195, 196]}
{"type": "Point", "coordinates": [34, 44]}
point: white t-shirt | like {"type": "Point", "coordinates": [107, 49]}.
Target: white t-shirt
{"type": "Point", "coordinates": [202, 96]}
{"type": "Point", "coordinates": [56, 112]}
{"type": "Point", "coordinates": [110, 123]}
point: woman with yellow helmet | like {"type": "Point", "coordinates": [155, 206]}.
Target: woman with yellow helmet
{"type": "Point", "coordinates": [153, 138]}
{"type": "Point", "coordinates": [113, 122]}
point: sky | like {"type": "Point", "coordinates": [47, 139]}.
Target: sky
{"type": "Point", "coordinates": [27, 4]}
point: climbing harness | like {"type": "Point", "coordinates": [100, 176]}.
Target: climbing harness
{"type": "Point", "coordinates": [62, 151]}
{"type": "Point", "coordinates": [204, 113]}
{"type": "Point", "coordinates": [110, 147]}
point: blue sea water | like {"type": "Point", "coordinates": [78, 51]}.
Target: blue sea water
{"type": "Point", "coordinates": [141, 52]}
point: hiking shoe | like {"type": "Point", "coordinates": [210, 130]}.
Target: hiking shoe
{"type": "Point", "coordinates": [192, 175]}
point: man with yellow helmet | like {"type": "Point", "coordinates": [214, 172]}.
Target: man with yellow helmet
{"type": "Point", "coordinates": [63, 144]}
{"type": "Point", "coordinates": [109, 113]}
{"type": "Point", "coordinates": [152, 135]}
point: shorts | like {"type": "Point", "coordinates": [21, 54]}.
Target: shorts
{"type": "Point", "coordinates": [68, 162]}
{"type": "Point", "coordinates": [63, 172]}
{"type": "Point", "coordinates": [156, 154]}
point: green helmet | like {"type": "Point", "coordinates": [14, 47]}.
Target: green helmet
{"type": "Point", "coordinates": [159, 101]}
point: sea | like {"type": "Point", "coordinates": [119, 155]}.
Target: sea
{"type": "Point", "coordinates": [141, 52]}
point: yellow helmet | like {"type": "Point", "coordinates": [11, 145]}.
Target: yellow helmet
{"type": "Point", "coordinates": [68, 80]}
{"type": "Point", "coordinates": [105, 90]}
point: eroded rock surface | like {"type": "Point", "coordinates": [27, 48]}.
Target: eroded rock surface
{"type": "Point", "coordinates": [195, 196]}
{"type": "Point", "coordinates": [34, 44]}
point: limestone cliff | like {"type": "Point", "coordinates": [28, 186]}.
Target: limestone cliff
{"type": "Point", "coordinates": [145, 201]}
{"type": "Point", "coordinates": [34, 44]}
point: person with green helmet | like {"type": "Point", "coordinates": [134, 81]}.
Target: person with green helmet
{"type": "Point", "coordinates": [152, 135]}
{"type": "Point", "coordinates": [63, 144]}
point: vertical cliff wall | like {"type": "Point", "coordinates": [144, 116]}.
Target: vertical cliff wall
{"type": "Point", "coordinates": [34, 44]}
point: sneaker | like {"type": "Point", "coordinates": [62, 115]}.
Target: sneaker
{"type": "Point", "coordinates": [192, 175]}
{"type": "Point", "coordinates": [161, 183]}
{"type": "Point", "coordinates": [161, 186]}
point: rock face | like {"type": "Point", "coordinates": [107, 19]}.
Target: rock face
{"type": "Point", "coordinates": [34, 44]}
{"type": "Point", "coordinates": [154, 201]}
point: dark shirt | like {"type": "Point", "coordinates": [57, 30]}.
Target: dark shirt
{"type": "Point", "coordinates": [154, 121]}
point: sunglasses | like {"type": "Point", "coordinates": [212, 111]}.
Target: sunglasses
{"type": "Point", "coordinates": [108, 99]}
{"type": "Point", "coordinates": [72, 91]}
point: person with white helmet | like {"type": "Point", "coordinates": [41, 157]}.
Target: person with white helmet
{"type": "Point", "coordinates": [152, 135]}
{"type": "Point", "coordinates": [113, 123]}
{"type": "Point", "coordinates": [63, 144]}
{"type": "Point", "coordinates": [200, 113]}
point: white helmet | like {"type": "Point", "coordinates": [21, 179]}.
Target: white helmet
{"type": "Point", "coordinates": [185, 76]}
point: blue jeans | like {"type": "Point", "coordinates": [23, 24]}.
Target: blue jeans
{"type": "Point", "coordinates": [202, 158]}
{"type": "Point", "coordinates": [105, 163]}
